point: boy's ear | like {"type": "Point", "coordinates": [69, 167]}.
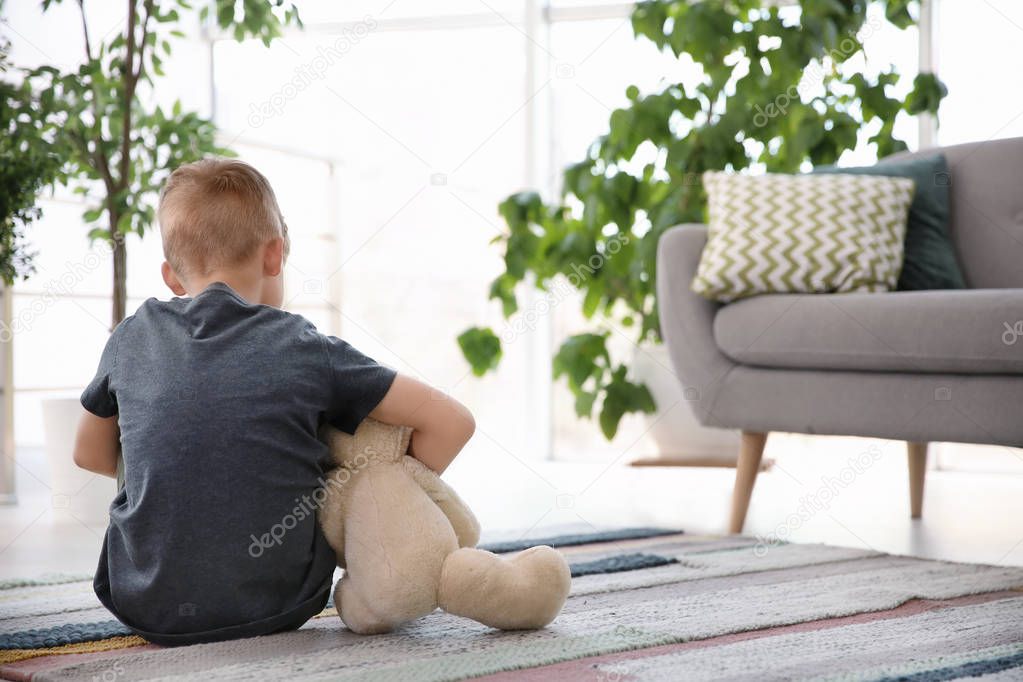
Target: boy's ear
{"type": "Point", "coordinates": [273, 257]}
{"type": "Point", "coordinates": [171, 279]}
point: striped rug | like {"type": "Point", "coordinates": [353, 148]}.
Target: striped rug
{"type": "Point", "coordinates": [646, 604]}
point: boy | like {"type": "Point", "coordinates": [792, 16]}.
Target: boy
{"type": "Point", "coordinates": [213, 402]}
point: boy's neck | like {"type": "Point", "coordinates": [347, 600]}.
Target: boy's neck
{"type": "Point", "coordinates": [248, 287]}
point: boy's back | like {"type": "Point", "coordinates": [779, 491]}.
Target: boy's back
{"type": "Point", "coordinates": [219, 402]}
{"type": "Point", "coordinates": [212, 403]}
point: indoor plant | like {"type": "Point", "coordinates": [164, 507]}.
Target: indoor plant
{"type": "Point", "coordinates": [773, 96]}
{"type": "Point", "coordinates": [121, 144]}
{"type": "Point", "coordinates": [29, 162]}
{"type": "Point", "coordinates": [120, 147]}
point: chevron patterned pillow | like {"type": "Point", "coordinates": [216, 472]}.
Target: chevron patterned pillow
{"type": "Point", "coordinates": [781, 233]}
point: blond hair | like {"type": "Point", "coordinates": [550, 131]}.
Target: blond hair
{"type": "Point", "coordinates": [215, 213]}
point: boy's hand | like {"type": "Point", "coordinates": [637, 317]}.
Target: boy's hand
{"type": "Point", "coordinates": [441, 425]}
{"type": "Point", "coordinates": [98, 444]}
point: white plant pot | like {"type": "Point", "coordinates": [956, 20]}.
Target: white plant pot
{"type": "Point", "coordinates": [78, 496]}
{"type": "Point", "coordinates": [678, 436]}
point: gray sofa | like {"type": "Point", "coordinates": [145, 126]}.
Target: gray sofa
{"type": "Point", "coordinates": [916, 366]}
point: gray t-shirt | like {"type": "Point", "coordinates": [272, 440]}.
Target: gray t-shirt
{"type": "Point", "coordinates": [214, 535]}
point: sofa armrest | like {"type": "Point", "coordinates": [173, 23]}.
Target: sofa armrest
{"type": "Point", "coordinates": [687, 319]}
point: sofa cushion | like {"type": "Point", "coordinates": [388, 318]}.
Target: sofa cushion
{"type": "Point", "coordinates": [780, 233]}
{"type": "Point", "coordinates": [930, 260]}
{"type": "Point", "coordinates": [970, 331]}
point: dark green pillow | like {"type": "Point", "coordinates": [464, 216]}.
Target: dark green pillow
{"type": "Point", "coordinates": [930, 260]}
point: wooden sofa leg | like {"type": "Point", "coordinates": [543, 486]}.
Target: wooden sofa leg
{"type": "Point", "coordinates": [751, 450]}
{"type": "Point", "coordinates": [917, 471]}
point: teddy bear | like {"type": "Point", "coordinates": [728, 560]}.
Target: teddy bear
{"type": "Point", "coordinates": [407, 543]}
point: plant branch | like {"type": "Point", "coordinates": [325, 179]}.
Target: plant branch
{"type": "Point", "coordinates": [85, 30]}
{"type": "Point", "coordinates": [148, 5]}
{"type": "Point", "coordinates": [129, 96]}
{"type": "Point", "coordinates": [100, 161]}
{"type": "Point", "coordinates": [98, 156]}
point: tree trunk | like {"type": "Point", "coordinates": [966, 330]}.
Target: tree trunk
{"type": "Point", "coordinates": [120, 280]}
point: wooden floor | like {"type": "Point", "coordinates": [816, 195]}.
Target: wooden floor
{"type": "Point", "coordinates": [850, 492]}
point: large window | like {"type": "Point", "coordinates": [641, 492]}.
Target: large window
{"type": "Point", "coordinates": [977, 56]}
{"type": "Point", "coordinates": [390, 130]}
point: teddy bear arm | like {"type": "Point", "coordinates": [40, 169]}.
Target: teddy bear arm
{"type": "Point", "coordinates": [467, 528]}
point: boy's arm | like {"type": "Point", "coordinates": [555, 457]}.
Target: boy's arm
{"type": "Point", "coordinates": [441, 425]}
{"type": "Point", "coordinates": [97, 444]}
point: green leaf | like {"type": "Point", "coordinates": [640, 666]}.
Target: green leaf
{"type": "Point", "coordinates": [92, 215]}
{"type": "Point", "coordinates": [927, 93]}
{"type": "Point", "coordinates": [503, 290]}
{"type": "Point", "coordinates": [897, 12]}
{"type": "Point", "coordinates": [648, 19]}
{"type": "Point", "coordinates": [622, 397]}
{"type": "Point", "coordinates": [580, 358]}
{"type": "Point", "coordinates": [584, 401]}
{"type": "Point", "coordinates": [591, 300]}
{"type": "Point", "coordinates": [481, 348]}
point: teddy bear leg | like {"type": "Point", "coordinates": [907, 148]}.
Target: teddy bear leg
{"type": "Point", "coordinates": [377, 598]}
{"type": "Point", "coordinates": [523, 592]}
{"type": "Point", "coordinates": [463, 521]}
{"type": "Point", "coordinates": [356, 613]}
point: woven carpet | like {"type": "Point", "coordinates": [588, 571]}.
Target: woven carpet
{"type": "Point", "coordinates": [646, 604]}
